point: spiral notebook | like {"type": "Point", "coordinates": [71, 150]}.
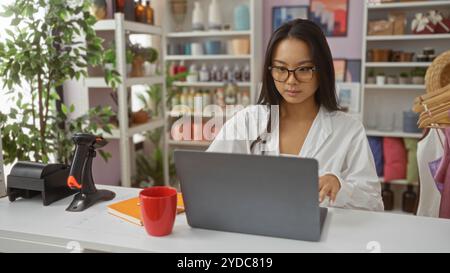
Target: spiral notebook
{"type": "Point", "coordinates": [130, 211]}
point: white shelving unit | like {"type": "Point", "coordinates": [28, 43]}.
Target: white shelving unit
{"type": "Point", "coordinates": [395, 87]}
{"type": "Point", "coordinates": [206, 57]}
{"type": "Point", "coordinates": [117, 29]}
{"type": "Point", "coordinates": [2, 171]}
{"type": "Point", "coordinates": [397, 64]}
{"type": "Point", "coordinates": [187, 35]}
{"type": "Point", "coordinates": [208, 84]}
{"type": "Point", "coordinates": [412, 37]}
{"type": "Point", "coordinates": [407, 5]}
{"type": "Point", "coordinates": [209, 33]}
{"type": "Point", "coordinates": [392, 99]}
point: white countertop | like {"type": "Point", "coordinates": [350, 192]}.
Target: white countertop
{"type": "Point", "coordinates": [28, 226]}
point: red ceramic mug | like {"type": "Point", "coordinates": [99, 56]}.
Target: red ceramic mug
{"type": "Point", "coordinates": [158, 209]}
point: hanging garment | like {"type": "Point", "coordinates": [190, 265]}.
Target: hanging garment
{"type": "Point", "coordinates": [429, 152]}
{"type": "Point", "coordinates": [394, 158]}
{"type": "Point", "coordinates": [376, 146]}
{"type": "Point", "coordinates": [412, 175]}
{"type": "Point", "coordinates": [443, 176]}
{"type": "Point", "coordinates": [336, 140]}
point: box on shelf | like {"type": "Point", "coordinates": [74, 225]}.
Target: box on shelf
{"type": "Point", "coordinates": [394, 25]}
{"type": "Point", "coordinates": [399, 21]}
{"type": "Point", "coordinates": [380, 27]}
{"type": "Point", "coordinates": [421, 24]}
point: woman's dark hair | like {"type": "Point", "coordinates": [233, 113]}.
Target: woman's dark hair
{"type": "Point", "coordinates": [312, 35]}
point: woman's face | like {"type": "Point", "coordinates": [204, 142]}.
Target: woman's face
{"type": "Point", "coordinates": [293, 54]}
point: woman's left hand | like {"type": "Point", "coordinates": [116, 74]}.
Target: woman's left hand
{"type": "Point", "coordinates": [329, 186]}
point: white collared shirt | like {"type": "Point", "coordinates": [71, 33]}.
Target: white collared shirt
{"type": "Point", "coordinates": [336, 140]}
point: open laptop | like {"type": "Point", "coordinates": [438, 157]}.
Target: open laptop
{"type": "Point", "coordinates": [253, 194]}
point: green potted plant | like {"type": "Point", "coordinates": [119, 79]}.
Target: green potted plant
{"type": "Point", "coordinates": [418, 75]}
{"type": "Point", "coordinates": [371, 77]}
{"type": "Point", "coordinates": [109, 60]}
{"type": "Point", "coordinates": [381, 78]}
{"type": "Point", "coordinates": [38, 56]}
{"type": "Point", "coordinates": [392, 79]}
{"type": "Point", "coordinates": [404, 78]}
{"type": "Point", "coordinates": [150, 65]}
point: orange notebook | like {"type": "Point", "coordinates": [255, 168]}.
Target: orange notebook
{"type": "Point", "coordinates": [129, 210]}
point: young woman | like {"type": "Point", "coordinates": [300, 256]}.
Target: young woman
{"type": "Point", "coordinates": [298, 77]}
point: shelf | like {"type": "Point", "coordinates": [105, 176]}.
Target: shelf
{"type": "Point", "coordinates": [191, 143]}
{"type": "Point", "coordinates": [206, 57]}
{"type": "Point", "coordinates": [136, 129]}
{"type": "Point", "coordinates": [144, 80]}
{"type": "Point", "coordinates": [398, 64]}
{"type": "Point", "coordinates": [151, 125]}
{"type": "Point", "coordinates": [411, 4]}
{"type": "Point", "coordinates": [212, 33]}
{"type": "Point", "coordinates": [99, 82]}
{"type": "Point", "coordinates": [208, 84]}
{"type": "Point", "coordinates": [396, 86]}
{"type": "Point", "coordinates": [392, 134]}
{"type": "Point", "coordinates": [407, 37]}
{"type": "Point", "coordinates": [134, 27]}
{"type": "Point", "coordinates": [398, 182]}
{"type": "Point", "coordinates": [173, 114]}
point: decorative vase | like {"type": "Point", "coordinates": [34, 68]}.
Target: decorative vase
{"type": "Point", "coordinates": [214, 16]}
{"type": "Point", "coordinates": [242, 17]}
{"type": "Point", "coordinates": [140, 117]}
{"type": "Point", "coordinates": [137, 66]}
{"type": "Point", "coordinates": [178, 9]}
{"type": "Point", "coordinates": [371, 80]}
{"type": "Point", "coordinates": [240, 46]}
{"type": "Point", "coordinates": [392, 80]}
{"type": "Point", "coordinates": [197, 17]}
{"type": "Point", "coordinates": [98, 9]}
{"type": "Point", "coordinates": [404, 80]}
{"type": "Point", "coordinates": [418, 80]}
{"type": "Point", "coordinates": [381, 80]}
{"type": "Point", "coordinates": [149, 69]}
{"type": "Point", "coordinates": [213, 47]}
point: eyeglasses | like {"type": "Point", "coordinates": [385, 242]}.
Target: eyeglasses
{"type": "Point", "coordinates": [301, 74]}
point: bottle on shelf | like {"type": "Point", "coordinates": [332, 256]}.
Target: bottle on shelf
{"type": "Point", "coordinates": [245, 100]}
{"type": "Point", "coordinates": [173, 69]}
{"type": "Point", "coordinates": [237, 75]}
{"type": "Point", "coordinates": [98, 9]}
{"type": "Point", "coordinates": [206, 98]}
{"type": "Point", "coordinates": [175, 102]}
{"type": "Point", "coordinates": [226, 73]}
{"type": "Point", "coordinates": [409, 200]}
{"type": "Point", "coordinates": [190, 99]}
{"type": "Point", "coordinates": [230, 93]}
{"type": "Point", "coordinates": [388, 197]}
{"type": "Point", "coordinates": [139, 12]}
{"type": "Point", "coordinates": [239, 98]}
{"type": "Point", "coordinates": [216, 74]}
{"type": "Point", "coordinates": [246, 73]}
{"type": "Point", "coordinates": [150, 14]}
{"type": "Point", "coordinates": [181, 68]}
{"type": "Point", "coordinates": [204, 74]}
{"type": "Point", "coordinates": [184, 98]}
{"type": "Point", "coordinates": [193, 74]}
{"type": "Point", "coordinates": [198, 102]}
{"type": "Point", "coordinates": [220, 97]}
{"type": "Point", "coordinates": [120, 6]}
{"type": "Point", "coordinates": [214, 16]}
{"type": "Point", "coordinates": [197, 17]}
